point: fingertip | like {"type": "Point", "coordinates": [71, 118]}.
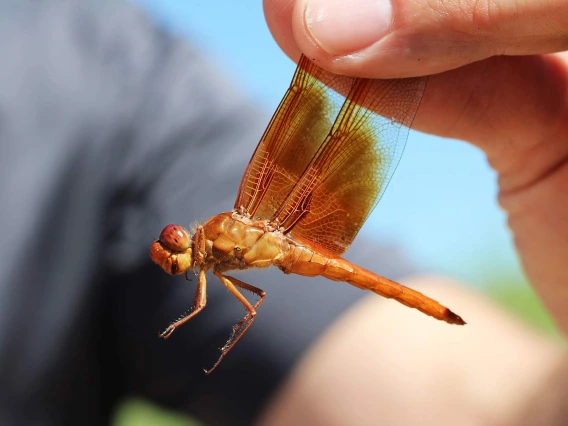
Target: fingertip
{"type": "Point", "coordinates": [370, 38]}
{"type": "Point", "coordinates": [298, 27]}
{"type": "Point", "coordinates": [279, 15]}
{"type": "Point", "coordinates": [341, 30]}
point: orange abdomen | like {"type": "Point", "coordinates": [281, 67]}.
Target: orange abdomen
{"type": "Point", "coordinates": [303, 261]}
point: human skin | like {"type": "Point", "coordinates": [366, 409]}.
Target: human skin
{"type": "Point", "coordinates": [494, 83]}
{"type": "Point", "coordinates": [512, 107]}
{"type": "Point", "coordinates": [382, 364]}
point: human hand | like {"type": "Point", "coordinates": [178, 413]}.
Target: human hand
{"type": "Point", "coordinates": [513, 107]}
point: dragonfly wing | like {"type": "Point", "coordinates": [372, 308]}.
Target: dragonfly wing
{"type": "Point", "coordinates": [328, 154]}
{"type": "Point", "coordinates": [355, 162]}
{"type": "Point", "coordinates": [293, 136]}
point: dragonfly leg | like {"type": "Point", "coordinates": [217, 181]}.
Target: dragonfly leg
{"type": "Point", "coordinates": [199, 303]}
{"type": "Point", "coordinates": [255, 290]}
{"type": "Point", "coordinates": [240, 328]}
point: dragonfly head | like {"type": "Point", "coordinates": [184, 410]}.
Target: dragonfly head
{"type": "Point", "coordinates": [173, 250]}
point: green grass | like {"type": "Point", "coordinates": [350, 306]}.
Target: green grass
{"type": "Point", "coordinates": [137, 412]}
{"type": "Point", "coordinates": [521, 300]}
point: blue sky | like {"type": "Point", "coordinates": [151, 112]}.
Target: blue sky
{"type": "Point", "coordinates": [441, 204]}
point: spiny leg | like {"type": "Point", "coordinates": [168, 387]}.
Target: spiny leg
{"type": "Point", "coordinates": [199, 303]}
{"type": "Point", "coordinates": [255, 290]}
{"type": "Point", "coordinates": [239, 329]}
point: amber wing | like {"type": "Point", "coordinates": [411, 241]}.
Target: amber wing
{"type": "Point", "coordinates": [328, 154]}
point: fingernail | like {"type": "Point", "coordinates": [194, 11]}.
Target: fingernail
{"type": "Point", "coordinates": [341, 26]}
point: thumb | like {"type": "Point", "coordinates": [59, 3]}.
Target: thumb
{"type": "Point", "coordinates": [402, 38]}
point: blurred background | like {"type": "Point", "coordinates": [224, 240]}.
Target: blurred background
{"type": "Point", "coordinates": [440, 209]}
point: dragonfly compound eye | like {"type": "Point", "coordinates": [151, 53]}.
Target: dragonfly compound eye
{"type": "Point", "coordinates": [175, 238]}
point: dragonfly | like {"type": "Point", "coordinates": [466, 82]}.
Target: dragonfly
{"type": "Point", "coordinates": [320, 168]}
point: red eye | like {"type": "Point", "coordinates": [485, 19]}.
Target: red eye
{"type": "Point", "coordinates": [175, 238]}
